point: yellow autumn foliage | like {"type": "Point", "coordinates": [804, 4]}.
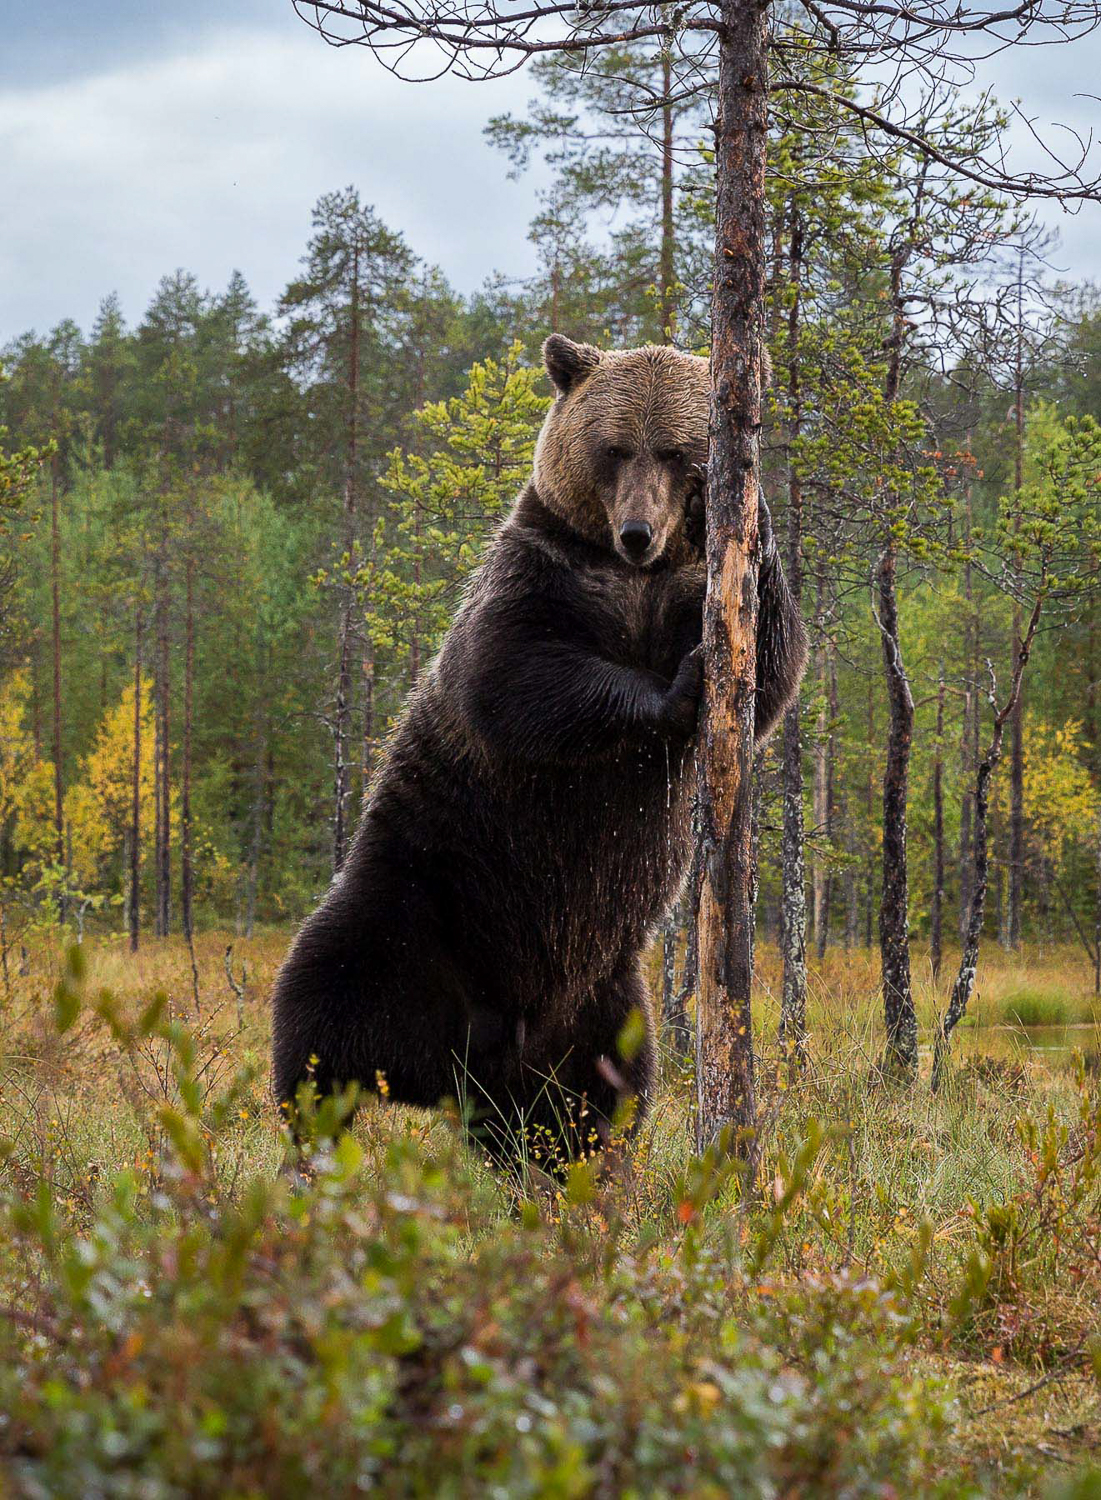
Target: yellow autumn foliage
{"type": "Point", "coordinates": [1061, 804]}
{"type": "Point", "coordinates": [98, 806]}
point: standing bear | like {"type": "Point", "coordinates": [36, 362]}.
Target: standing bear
{"type": "Point", "coordinates": [531, 821]}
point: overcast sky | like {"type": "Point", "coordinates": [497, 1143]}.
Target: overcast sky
{"type": "Point", "coordinates": [137, 137]}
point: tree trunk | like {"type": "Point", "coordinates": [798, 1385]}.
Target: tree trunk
{"type": "Point", "coordinates": [822, 881]}
{"type": "Point", "coordinates": [341, 726]}
{"type": "Point", "coordinates": [823, 798]}
{"type": "Point", "coordinates": [894, 930]}
{"type": "Point", "coordinates": [969, 738]}
{"type": "Point", "coordinates": [186, 873]}
{"type": "Point", "coordinates": [667, 288]}
{"type": "Point", "coordinates": [725, 1067]}
{"type": "Point", "coordinates": [674, 1014]}
{"type": "Point", "coordinates": [1093, 701]}
{"type": "Point", "coordinates": [55, 597]}
{"type": "Point", "coordinates": [793, 893]}
{"type": "Point", "coordinates": [135, 802]}
{"type": "Point", "coordinates": [162, 766]}
{"type": "Point", "coordinates": [680, 1030]}
{"type": "Point", "coordinates": [894, 919]}
{"type": "Point", "coordinates": [969, 960]}
{"type": "Point", "coordinates": [1015, 881]}
{"type": "Point", "coordinates": [669, 929]}
{"type": "Point", "coordinates": [36, 693]}
{"type": "Point", "coordinates": [936, 911]}
{"type": "Point", "coordinates": [869, 811]}
{"type": "Point", "coordinates": [258, 799]}
{"type": "Point", "coordinates": [368, 719]}
{"type": "Point", "coordinates": [852, 895]}
{"type": "Point", "coordinates": [1015, 888]}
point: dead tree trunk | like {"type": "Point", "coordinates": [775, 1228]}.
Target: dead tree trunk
{"type": "Point", "coordinates": [725, 1067]}
{"type": "Point", "coordinates": [969, 960]}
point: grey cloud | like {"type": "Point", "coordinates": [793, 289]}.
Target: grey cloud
{"type": "Point", "coordinates": [211, 159]}
{"type": "Point", "coordinates": [137, 136]}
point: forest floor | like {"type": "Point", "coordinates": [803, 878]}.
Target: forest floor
{"type": "Point", "coordinates": [909, 1299]}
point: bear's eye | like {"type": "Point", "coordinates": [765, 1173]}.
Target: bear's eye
{"type": "Point", "coordinates": [670, 456]}
{"type": "Point", "coordinates": [615, 454]}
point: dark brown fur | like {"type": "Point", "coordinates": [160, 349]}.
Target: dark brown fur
{"type": "Point", "coordinates": [531, 822]}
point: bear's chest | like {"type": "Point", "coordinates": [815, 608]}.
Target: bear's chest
{"type": "Point", "coordinates": [646, 619]}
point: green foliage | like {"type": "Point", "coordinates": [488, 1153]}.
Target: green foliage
{"type": "Point", "coordinates": [463, 466]}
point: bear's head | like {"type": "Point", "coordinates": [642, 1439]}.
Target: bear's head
{"type": "Point", "coordinates": [624, 446]}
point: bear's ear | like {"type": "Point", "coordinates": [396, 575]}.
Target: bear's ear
{"type": "Point", "coordinates": [568, 363]}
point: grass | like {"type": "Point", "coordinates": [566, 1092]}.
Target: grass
{"type": "Point", "coordinates": [909, 1299]}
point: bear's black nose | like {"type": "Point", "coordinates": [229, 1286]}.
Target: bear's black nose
{"type": "Point", "coordinates": [635, 536]}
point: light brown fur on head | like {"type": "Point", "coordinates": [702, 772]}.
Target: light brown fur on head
{"type": "Point", "coordinates": [624, 444]}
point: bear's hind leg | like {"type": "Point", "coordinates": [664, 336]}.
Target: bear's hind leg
{"type": "Point", "coordinates": [574, 1090]}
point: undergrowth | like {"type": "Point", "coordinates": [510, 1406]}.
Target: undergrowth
{"type": "Point", "coordinates": [907, 1301]}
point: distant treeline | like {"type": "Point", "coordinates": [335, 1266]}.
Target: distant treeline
{"type": "Point", "coordinates": [243, 533]}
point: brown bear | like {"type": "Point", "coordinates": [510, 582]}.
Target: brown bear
{"type": "Point", "coordinates": [531, 822]}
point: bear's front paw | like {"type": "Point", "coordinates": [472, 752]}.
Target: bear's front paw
{"type": "Point", "coordinates": [680, 707]}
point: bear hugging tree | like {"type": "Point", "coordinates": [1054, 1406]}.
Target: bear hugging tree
{"type": "Point", "coordinates": [531, 822]}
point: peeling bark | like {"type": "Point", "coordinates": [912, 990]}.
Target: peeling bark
{"type": "Point", "coordinates": [725, 1065]}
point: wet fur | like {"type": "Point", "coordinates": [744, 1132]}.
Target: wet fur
{"type": "Point", "coordinates": [530, 824]}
